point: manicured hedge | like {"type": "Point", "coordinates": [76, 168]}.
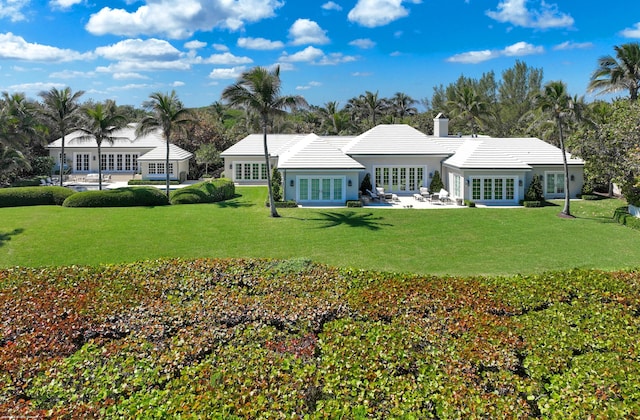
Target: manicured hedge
{"type": "Point", "coordinates": [286, 204]}
{"type": "Point", "coordinates": [231, 339]}
{"type": "Point", "coordinates": [34, 196]}
{"type": "Point", "coordinates": [119, 197]}
{"type": "Point", "coordinates": [204, 192]}
{"type": "Point", "coordinates": [533, 203]}
{"type": "Point", "coordinates": [151, 182]}
{"type": "Point", "coordinates": [622, 216]}
{"type": "Point", "coordinates": [354, 203]}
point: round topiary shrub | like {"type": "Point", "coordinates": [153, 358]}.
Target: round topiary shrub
{"type": "Point", "coordinates": [34, 196]}
{"type": "Point", "coordinates": [119, 197]}
{"type": "Point", "coordinates": [204, 192]}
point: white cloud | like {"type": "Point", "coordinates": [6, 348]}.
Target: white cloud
{"type": "Point", "coordinates": [545, 16]}
{"type": "Point", "coordinates": [132, 86]}
{"type": "Point", "coordinates": [16, 47]}
{"type": "Point", "coordinates": [305, 31]}
{"type": "Point", "coordinates": [64, 4]}
{"type": "Point", "coordinates": [364, 43]}
{"type": "Point", "coordinates": [72, 74]}
{"type": "Point", "coordinates": [309, 86]}
{"type": "Point", "coordinates": [516, 50]}
{"type": "Point", "coordinates": [227, 59]}
{"type": "Point", "coordinates": [220, 47]}
{"type": "Point", "coordinates": [195, 45]}
{"type": "Point", "coordinates": [138, 49]}
{"type": "Point", "coordinates": [309, 54]}
{"type": "Point", "coordinates": [372, 13]}
{"type": "Point", "coordinates": [12, 9]}
{"type": "Point", "coordinates": [180, 19]}
{"type": "Point", "coordinates": [137, 66]}
{"type": "Point", "coordinates": [130, 75]}
{"type": "Point", "coordinates": [232, 73]}
{"type": "Point", "coordinates": [330, 5]}
{"type": "Point", "coordinates": [633, 32]}
{"type": "Point", "coordinates": [520, 49]}
{"type": "Point", "coordinates": [259, 44]}
{"type": "Point", "coordinates": [35, 87]}
{"type": "Point", "coordinates": [568, 45]}
{"type": "Point", "coordinates": [316, 56]}
{"type": "Point", "coordinates": [336, 58]}
{"type": "Point", "coordinates": [361, 74]}
{"type": "Point", "coordinates": [178, 83]}
{"type": "Point", "coordinates": [472, 57]}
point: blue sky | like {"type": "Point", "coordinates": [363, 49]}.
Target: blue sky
{"type": "Point", "coordinates": [327, 50]}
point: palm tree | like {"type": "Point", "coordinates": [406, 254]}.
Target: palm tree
{"type": "Point", "coordinates": [402, 105]}
{"type": "Point", "coordinates": [61, 107]}
{"type": "Point", "coordinates": [168, 115]}
{"type": "Point", "coordinates": [468, 106]}
{"type": "Point", "coordinates": [555, 102]}
{"type": "Point", "coordinates": [258, 90]}
{"type": "Point", "coordinates": [101, 123]}
{"type": "Point", "coordinates": [618, 73]}
{"type": "Point", "coordinates": [19, 119]}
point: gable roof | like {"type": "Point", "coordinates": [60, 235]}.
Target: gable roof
{"type": "Point", "coordinates": [394, 139]}
{"type": "Point", "coordinates": [160, 153]}
{"type": "Point", "coordinates": [125, 138]}
{"type": "Point", "coordinates": [253, 145]}
{"type": "Point", "coordinates": [313, 152]}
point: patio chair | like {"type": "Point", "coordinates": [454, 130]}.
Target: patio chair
{"type": "Point", "coordinates": [444, 196]}
{"type": "Point", "coordinates": [373, 195]}
{"type": "Point", "coordinates": [424, 192]}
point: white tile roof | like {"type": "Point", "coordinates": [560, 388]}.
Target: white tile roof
{"type": "Point", "coordinates": [160, 153]}
{"type": "Point", "coordinates": [478, 154]}
{"type": "Point", "coordinates": [394, 139]}
{"type": "Point", "coordinates": [126, 138]}
{"type": "Point", "coordinates": [253, 145]}
{"type": "Point", "coordinates": [313, 152]}
{"type": "Point", "coordinates": [503, 153]}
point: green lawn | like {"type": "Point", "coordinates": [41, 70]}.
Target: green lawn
{"type": "Point", "coordinates": [454, 241]}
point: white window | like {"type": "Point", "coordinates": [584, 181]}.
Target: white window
{"type": "Point", "coordinates": [82, 162]}
{"type": "Point", "coordinates": [457, 186]}
{"type": "Point", "coordinates": [399, 178]}
{"type": "Point", "coordinates": [493, 189]}
{"type": "Point", "coordinates": [321, 189]}
{"type": "Point", "coordinates": [554, 184]}
{"type": "Point", "coordinates": [250, 171]}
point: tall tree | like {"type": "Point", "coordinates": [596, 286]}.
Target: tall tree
{"type": "Point", "coordinates": [516, 91]}
{"type": "Point", "coordinates": [101, 122]}
{"type": "Point", "coordinates": [61, 108]}
{"type": "Point", "coordinates": [402, 105]}
{"type": "Point", "coordinates": [167, 115]}
{"type": "Point", "coordinates": [554, 102]}
{"type": "Point", "coordinates": [621, 72]}
{"type": "Point", "coordinates": [469, 107]}
{"type": "Point", "coordinates": [258, 90]}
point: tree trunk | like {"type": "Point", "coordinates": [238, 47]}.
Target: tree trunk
{"type": "Point", "coordinates": [99, 165]}
{"type": "Point", "coordinates": [272, 204]}
{"type": "Point", "coordinates": [62, 159]}
{"type": "Point", "coordinates": [567, 199]}
{"type": "Point", "coordinates": [166, 165]}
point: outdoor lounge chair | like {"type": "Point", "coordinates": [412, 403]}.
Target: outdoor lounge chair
{"type": "Point", "coordinates": [444, 196]}
{"type": "Point", "coordinates": [373, 195]}
{"type": "Point", "coordinates": [424, 192]}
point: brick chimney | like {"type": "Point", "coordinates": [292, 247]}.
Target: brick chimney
{"type": "Point", "coordinates": [440, 125]}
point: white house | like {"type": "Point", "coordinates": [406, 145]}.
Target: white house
{"type": "Point", "coordinates": [127, 154]}
{"type": "Point", "coordinates": [401, 159]}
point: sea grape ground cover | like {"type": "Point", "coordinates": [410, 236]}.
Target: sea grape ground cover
{"type": "Point", "coordinates": [288, 338]}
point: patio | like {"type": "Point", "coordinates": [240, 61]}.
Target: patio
{"type": "Point", "coordinates": [411, 202]}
